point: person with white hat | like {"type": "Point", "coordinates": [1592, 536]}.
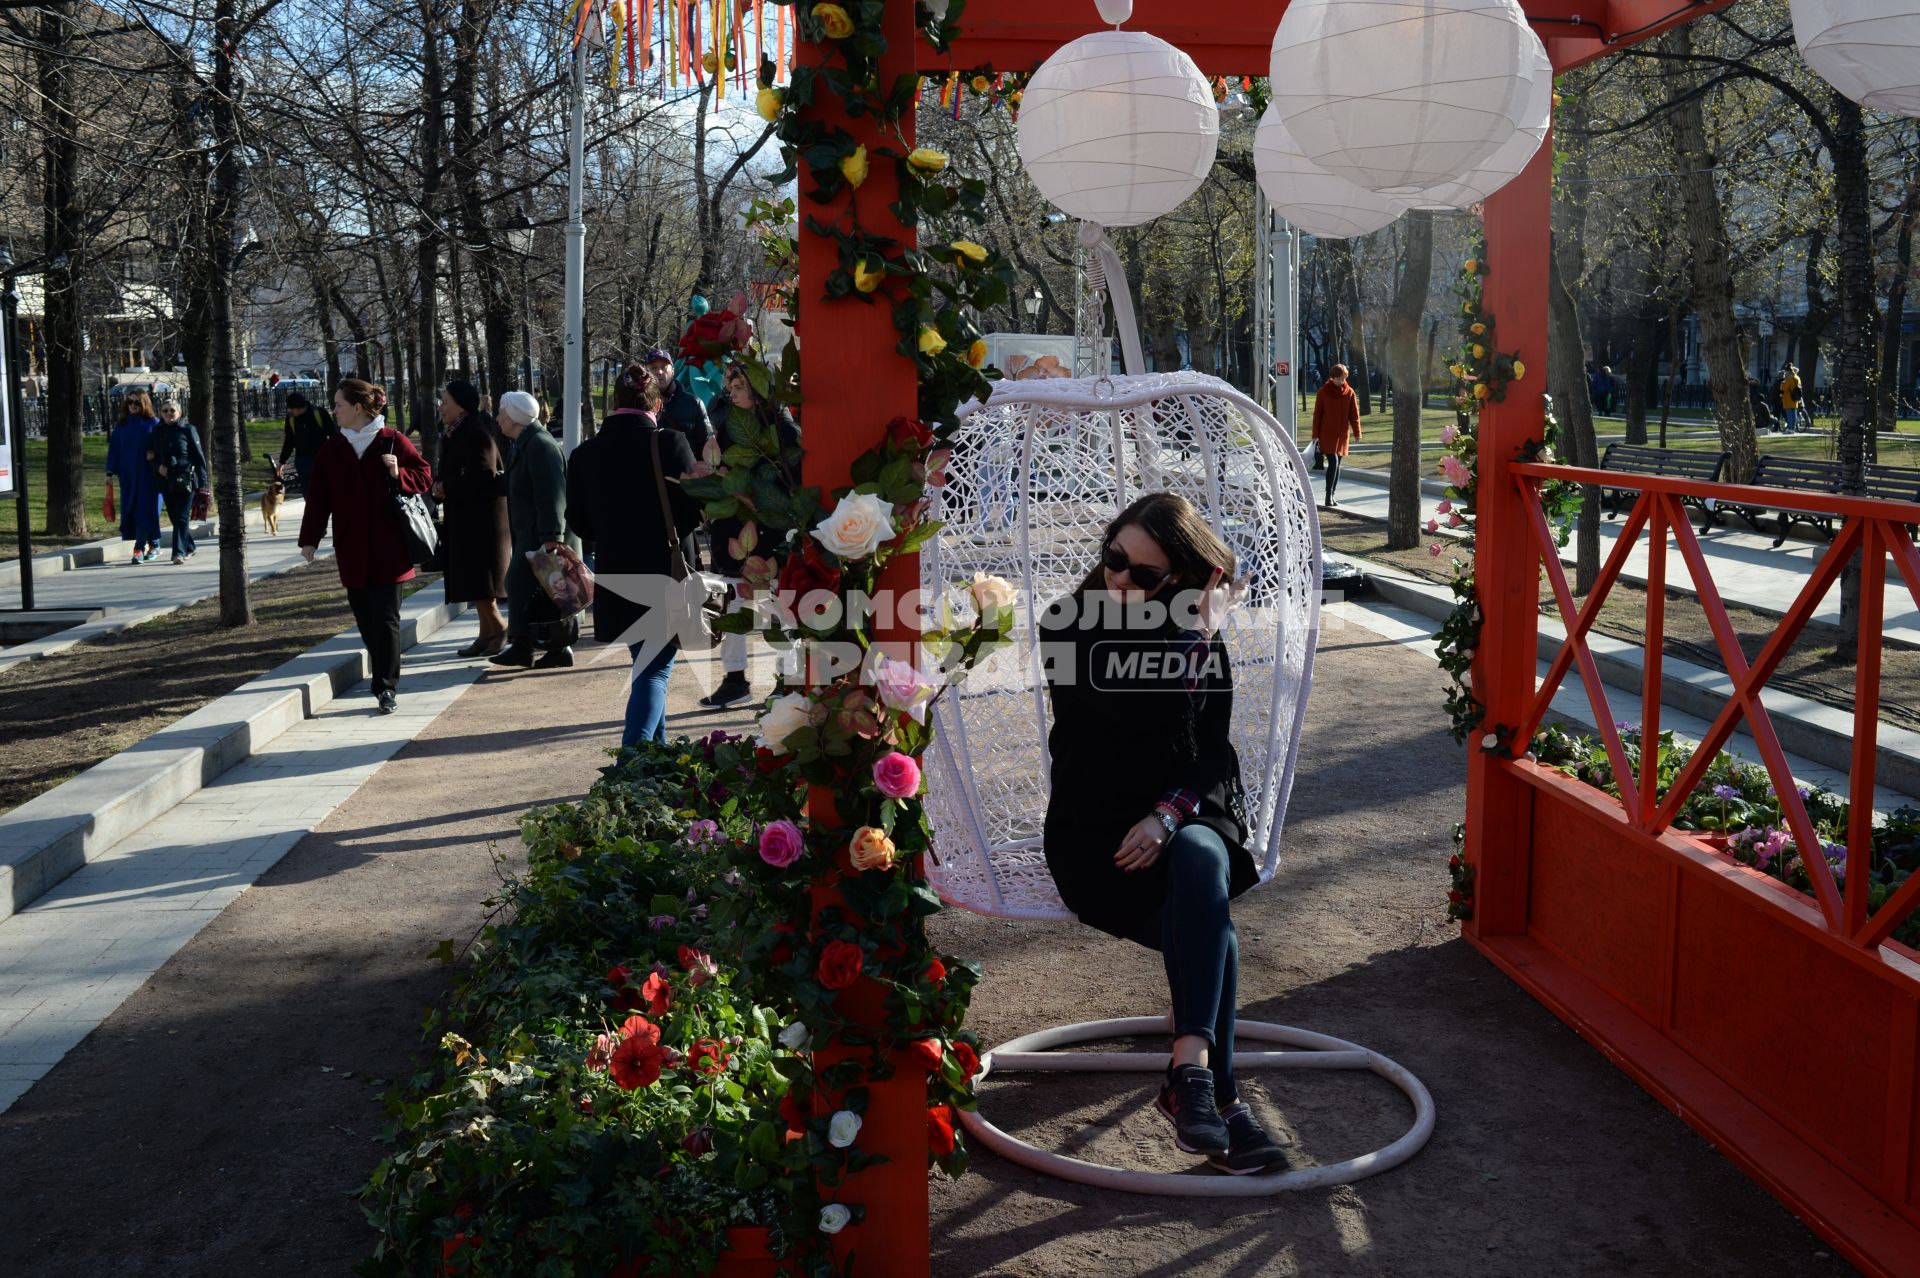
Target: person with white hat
{"type": "Point", "coordinates": [537, 515]}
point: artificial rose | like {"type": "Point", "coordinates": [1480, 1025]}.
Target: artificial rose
{"type": "Point", "coordinates": [926, 159]}
{"type": "Point", "coordinates": [1433, 525]}
{"type": "Point", "coordinates": [768, 103]}
{"type": "Point", "coordinates": [977, 353]}
{"type": "Point", "coordinates": [637, 1057]}
{"type": "Point", "coordinates": [1449, 433]}
{"type": "Point", "coordinates": [1519, 370]}
{"type": "Point", "coordinates": [980, 83]}
{"type": "Point", "coordinates": [857, 525]}
{"type": "Point", "coordinates": [940, 1130]}
{"type": "Point", "coordinates": [834, 1217]}
{"type": "Point", "coordinates": [936, 972]}
{"type": "Point", "coordinates": [908, 432]}
{"type": "Point", "coordinates": [991, 595]}
{"type": "Point", "coordinates": [868, 273]}
{"type": "Point", "coordinates": [931, 343]}
{"type": "Point", "coordinates": [968, 1058]}
{"type": "Point", "coordinates": [1454, 520]}
{"type": "Point", "coordinates": [842, 1128]}
{"type": "Point", "coordinates": [967, 253]}
{"type": "Point", "coordinates": [903, 688]}
{"type": "Point", "coordinates": [1480, 391]}
{"type": "Point", "coordinates": [854, 167]}
{"type": "Point", "coordinates": [708, 1056]}
{"type": "Point", "coordinates": [840, 965]}
{"type": "Point", "coordinates": [871, 849]}
{"type": "Point", "coordinates": [805, 574]}
{"type": "Point", "coordinates": [927, 1052]}
{"type": "Point", "coordinates": [1436, 550]}
{"type": "Point", "coordinates": [897, 776]}
{"type": "Point", "coordinates": [1479, 352]}
{"type": "Point", "coordinates": [833, 20]}
{"type": "Point", "coordinates": [1470, 266]}
{"type": "Point", "coordinates": [781, 719]}
{"type": "Point", "coordinates": [796, 1037]}
{"type": "Point", "coordinates": [1444, 506]}
{"type": "Point", "coordinates": [781, 844]}
{"type": "Point", "coordinates": [1478, 330]}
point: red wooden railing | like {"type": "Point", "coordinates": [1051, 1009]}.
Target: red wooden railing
{"type": "Point", "coordinates": [1873, 530]}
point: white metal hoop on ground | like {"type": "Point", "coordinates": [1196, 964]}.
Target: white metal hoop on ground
{"type": "Point", "coordinates": [1028, 1052]}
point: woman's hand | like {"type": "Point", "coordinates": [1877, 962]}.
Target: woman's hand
{"type": "Point", "coordinates": [393, 464]}
{"type": "Point", "coordinates": [1143, 844]}
{"type": "Point", "coordinates": [1221, 597]}
{"type": "Point", "coordinates": [306, 553]}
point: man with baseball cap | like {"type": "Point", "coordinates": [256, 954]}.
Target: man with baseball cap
{"type": "Point", "coordinates": [680, 408]}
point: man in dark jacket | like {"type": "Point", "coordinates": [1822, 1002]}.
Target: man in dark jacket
{"type": "Point", "coordinates": [307, 429]}
{"type": "Point", "coordinates": [537, 514]}
{"type": "Point", "coordinates": [680, 408]}
{"type": "Point", "coordinates": [180, 470]}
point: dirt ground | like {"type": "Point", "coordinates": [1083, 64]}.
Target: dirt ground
{"type": "Point", "coordinates": [214, 1125]}
{"type": "Point", "coordinates": [1811, 669]}
{"type": "Point", "coordinates": [67, 712]}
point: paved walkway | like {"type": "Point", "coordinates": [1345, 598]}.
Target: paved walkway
{"type": "Point", "coordinates": [71, 958]}
{"type": "Point", "coordinates": [1746, 567]}
{"type": "Point", "coordinates": [130, 594]}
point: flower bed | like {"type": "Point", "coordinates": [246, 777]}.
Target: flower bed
{"type": "Point", "coordinates": [1736, 811]}
{"type": "Point", "coordinates": [611, 1091]}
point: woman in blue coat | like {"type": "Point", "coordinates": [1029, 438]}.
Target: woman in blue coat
{"type": "Point", "coordinates": [128, 465]}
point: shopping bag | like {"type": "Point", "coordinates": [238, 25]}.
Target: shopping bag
{"type": "Point", "coordinates": [106, 507]}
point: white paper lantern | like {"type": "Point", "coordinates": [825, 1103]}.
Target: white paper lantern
{"type": "Point", "coordinates": [1867, 49]}
{"type": "Point", "coordinates": [1310, 197]}
{"type": "Point", "coordinates": [1402, 95]}
{"type": "Point", "coordinates": [1118, 128]}
{"type": "Point", "coordinates": [1506, 164]}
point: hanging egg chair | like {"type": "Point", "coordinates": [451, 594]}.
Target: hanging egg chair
{"type": "Point", "coordinates": [1037, 472]}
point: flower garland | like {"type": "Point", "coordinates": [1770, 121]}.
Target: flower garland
{"type": "Point", "coordinates": [810, 560]}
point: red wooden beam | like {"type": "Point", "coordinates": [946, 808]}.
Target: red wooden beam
{"type": "Point", "coordinates": [1896, 512]}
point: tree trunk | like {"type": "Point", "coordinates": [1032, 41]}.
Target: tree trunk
{"type": "Point", "coordinates": [1853, 366]}
{"type": "Point", "coordinates": [1567, 382]}
{"type": "Point", "coordinates": [1819, 310]}
{"type": "Point", "coordinates": [1887, 401]}
{"type": "Point", "coordinates": [236, 608]}
{"type": "Point", "coordinates": [60, 157]}
{"type": "Point", "coordinates": [1643, 366]}
{"type": "Point", "coordinates": [1347, 293]}
{"type": "Point", "coordinates": [1409, 304]}
{"type": "Point", "coordinates": [1712, 273]}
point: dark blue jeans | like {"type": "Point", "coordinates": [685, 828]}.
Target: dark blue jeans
{"type": "Point", "coordinates": [180, 511]}
{"type": "Point", "coordinates": [1194, 933]}
{"type": "Point", "coordinates": [647, 700]}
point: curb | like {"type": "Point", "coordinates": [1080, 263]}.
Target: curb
{"type": "Point", "coordinates": [53, 834]}
{"type": "Point", "coordinates": [87, 554]}
{"type": "Point", "coordinates": [1807, 728]}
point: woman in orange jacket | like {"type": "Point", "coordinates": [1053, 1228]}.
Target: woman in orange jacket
{"type": "Point", "coordinates": [1336, 422]}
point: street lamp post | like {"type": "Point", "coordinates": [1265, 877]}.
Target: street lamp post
{"type": "Point", "coordinates": [13, 431]}
{"type": "Point", "coordinates": [1033, 303]}
{"type": "Point", "coordinates": [519, 229]}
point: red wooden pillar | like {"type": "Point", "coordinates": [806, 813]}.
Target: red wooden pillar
{"type": "Point", "coordinates": [852, 383]}
{"type": "Point", "coordinates": [1519, 225]}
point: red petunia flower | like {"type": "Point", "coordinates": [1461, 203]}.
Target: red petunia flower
{"type": "Point", "coordinates": [708, 1056]}
{"type": "Point", "coordinates": [940, 1130]}
{"type": "Point", "coordinates": [637, 1058]}
{"type": "Point", "coordinates": [655, 993]}
{"type": "Point", "coordinates": [840, 965]}
{"type": "Point", "coordinates": [625, 998]}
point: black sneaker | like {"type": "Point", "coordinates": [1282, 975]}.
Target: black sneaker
{"type": "Point", "coordinates": [734, 687]}
{"type": "Point", "coordinates": [555, 659]}
{"type": "Point", "coordinates": [1187, 1102]}
{"type": "Point", "coordinates": [518, 654]}
{"type": "Point", "coordinates": [388, 702]}
{"type": "Point", "coordinates": [1250, 1150]}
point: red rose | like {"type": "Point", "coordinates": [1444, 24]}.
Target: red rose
{"type": "Point", "coordinates": [940, 1130]}
{"type": "Point", "coordinates": [968, 1058]}
{"type": "Point", "coordinates": [927, 1052]}
{"type": "Point", "coordinates": [766, 760]}
{"type": "Point", "coordinates": [840, 965]}
{"type": "Point", "coordinates": [805, 573]}
{"type": "Point", "coordinates": [936, 972]}
{"type": "Point", "coordinates": [707, 1056]}
{"type": "Point", "coordinates": [637, 1060]}
{"type": "Point", "coordinates": [908, 432]}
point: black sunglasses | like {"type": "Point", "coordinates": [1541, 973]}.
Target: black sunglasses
{"type": "Point", "coordinates": [1116, 561]}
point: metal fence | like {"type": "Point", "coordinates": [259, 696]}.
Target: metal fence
{"type": "Point", "coordinates": [99, 410]}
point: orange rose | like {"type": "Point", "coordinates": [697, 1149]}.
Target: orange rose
{"type": "Point", "coordinates": [871, 849]}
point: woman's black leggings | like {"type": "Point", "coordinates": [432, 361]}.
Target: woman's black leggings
{"type": "Point", "coordinates": [1194, 933]}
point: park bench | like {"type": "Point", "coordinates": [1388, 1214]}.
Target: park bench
{"type": "Point", "coordinates": [1674, 463]}
{"type": "Point", "coordinates": [1889, 483]}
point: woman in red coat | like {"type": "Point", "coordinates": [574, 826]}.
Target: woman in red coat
{"type": "Point", "coordinates": [354, 475]}
{"type": "Point", "coordinates": [1336, 421]}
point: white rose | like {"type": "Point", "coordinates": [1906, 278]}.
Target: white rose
{"type": "Point", "coordinates": [991, 594]}
{"type": "Point", "coordinates": [857, 526]}
{"type": "Point", "coordinates": [786, 716]}
{"type": "Point", "coordinates": [796, 1037]}
{"type": "Point", "coordinates": [834, 1217]}
{"type": "Point", "coordinates": [842, 1128]}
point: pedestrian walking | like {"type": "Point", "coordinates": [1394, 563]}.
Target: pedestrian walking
{"type": "Point", "coordinates": [740, 415]}
{"type": "Point", "coordinates": [180, 471]}
{"type": "Point", "coordinates": [1145, 831]}
{"type": "Point", "coordinates": [307, 428]}
{"type": "Point", "coordinates": [131, 469]}
{"type": "Point", "coordinates": [613, 500]}
{"type": "Point", "coordinates": [1336, 423]}
{"type": "Point", "coordinates": [537, 517]}
{"type": "Point", "coordinates": [1792, 406]}
{"type": "Point", "coordinates": [680, 408]}
{"type": "Point", "coordinates": [472, 488]}
{"type": "Point", "coordinates": [355, 474]}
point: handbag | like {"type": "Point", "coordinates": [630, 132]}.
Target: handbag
{"type": "Point", "coordinates": [1312, 455]}
{"type": "Point", "coordinates": [202, 503]}
{"type": "Point", "coordinates": [419, 525]}
{"type": "Point", "coordinates": [547, 626]}
{"type": "Point", "coordinates": [106, 507]}
{"type": "Point", "coordinates": [695, 605]}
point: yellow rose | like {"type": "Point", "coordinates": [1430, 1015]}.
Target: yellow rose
{"type": "Point", "coordinates": [768, 104]}
{"type": "Point", "coordinates": [977, 353]}
{"type": "Point", "coordinates": [1014, 97]}
{"type": "Point", "coordinates": [834, 20]}
{"type": "Point", "coordinates": [980, 83]}
{"type": "Point", "coordinates": [926, 159]}
{"type": "Point", "coordinates": [854, 167]}
{"type": "Point", "coordinates": [966, 251]}
{"type": "Point", "coordinates": [1479, 330]}
{"type": "Point", "coordinates": [871, 849]}
{"type": "Point", "coordinates": [931, 343]}
{"type": "Point", "coordinates": [1480, 390]}
{"type": "Point", "coordinates": [1519, 370]}
{"type": "Point", "coordinates": [1479, 352]}
{"type": "Point", "coordinates": [864, 279]}
{"type": "Point", "coordinates": [1470, 266]}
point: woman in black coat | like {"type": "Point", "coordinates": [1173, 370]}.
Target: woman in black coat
{"type": "Point", "coordinates": [473, 558]}
{"type": "Point", "coordinates": [613, 501]}
{"type": "Point", "coordinates": [1145, 833]}
{"type": "Point", "coordinates": [762, 425]}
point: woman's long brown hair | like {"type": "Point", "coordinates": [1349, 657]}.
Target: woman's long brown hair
{"type": "Point", "coordinates": [1192, 548]}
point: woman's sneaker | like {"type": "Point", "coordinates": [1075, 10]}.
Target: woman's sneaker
{"type": "Point", "coordinates": [1250, 1150]}
{"type": "Point", "coordinates": [1187, 1102]}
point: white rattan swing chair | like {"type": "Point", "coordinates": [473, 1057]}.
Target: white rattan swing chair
{"type": "Point", "coordinates": [1037, 472]}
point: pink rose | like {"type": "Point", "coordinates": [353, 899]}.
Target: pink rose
{"type": "Point", "coordinates": [1454, 520]}
{"type": "Point", "coordinates": [1434, 550]}
{"type": "Point", "coordinates": [1455, 471]}
{"type": "Point", "coordinates": [1433, 525]}
{"type": "Point", "coordinates": [781, 844]}
{"type": "Point", "coordinates": [897, 776]}
{"type": "Point", "coordinates": [1445, 506]}
{"type": "Point", "coordinates": [903, 688]}
{"type": "Point", "coordinates": [1449, 433]}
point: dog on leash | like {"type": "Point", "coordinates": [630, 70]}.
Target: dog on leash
{"type": "Point", "coordinates": [270, 502]}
